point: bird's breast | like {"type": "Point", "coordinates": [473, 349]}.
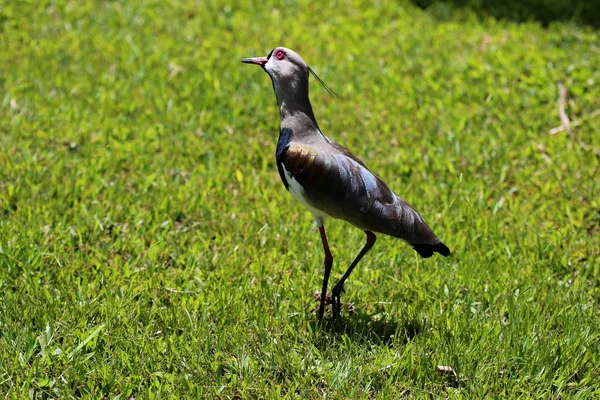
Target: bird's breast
{"type": "Point", "coordinates": [294, 162]}
{"type": "Point", "coordinates": [297, 190]}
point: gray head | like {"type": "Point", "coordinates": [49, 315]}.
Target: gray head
{"type": "Point", "coordinates": [287, 70]}
{"type": "Point", "coordinates": [289, 73]}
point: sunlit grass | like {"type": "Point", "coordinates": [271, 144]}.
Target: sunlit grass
{"type": "Point", "coordinates": [148, 249]}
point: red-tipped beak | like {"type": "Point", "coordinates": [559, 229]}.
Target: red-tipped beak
{"type": "Point", "coordinates": [256, 60]}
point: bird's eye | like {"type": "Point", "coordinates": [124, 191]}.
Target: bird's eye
{"type": "Point", "coordinates": [280, 55]}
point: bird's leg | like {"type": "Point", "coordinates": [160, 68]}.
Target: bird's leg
{"type": "Point", "coordinates": [328, 262]}
{"type": "Point", "coordinates": [339, 287]}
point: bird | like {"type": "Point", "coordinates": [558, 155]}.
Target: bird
{"type": "Point", "coordinates": [329, 180]}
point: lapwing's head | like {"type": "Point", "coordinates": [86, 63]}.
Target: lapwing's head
{"type": "Point", "coordinates": [288, 71]}
{"type": "Point", "coordinates": [281, 64]}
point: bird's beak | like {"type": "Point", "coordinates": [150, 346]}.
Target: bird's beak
{"type": "Point", "coordinates": [256, 60]}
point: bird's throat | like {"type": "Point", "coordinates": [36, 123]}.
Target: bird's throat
{"type": "Point", "coordinates": [300, 119]}
{"type": "Point", "coordinates": [295, 109]}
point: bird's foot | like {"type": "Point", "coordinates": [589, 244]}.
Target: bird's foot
{"type": "Point", "coordinates": [336, 305]}
{"type": "Point", "coordinates": [333, 299]}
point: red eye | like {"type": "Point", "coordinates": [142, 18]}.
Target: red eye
{"type": "Point", "coordinates": [280, 55]}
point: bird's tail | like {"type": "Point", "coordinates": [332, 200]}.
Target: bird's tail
{"type": "Point", "coordinates": [427, 250]}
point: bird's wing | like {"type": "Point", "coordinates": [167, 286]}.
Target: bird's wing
{"type": "Point", "coordinates": [339, 184]}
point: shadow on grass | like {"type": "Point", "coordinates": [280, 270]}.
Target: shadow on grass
{"type": "Point", "coordinates": [585, 12]}
{"type": "Point", "coordinates": [378, 328]}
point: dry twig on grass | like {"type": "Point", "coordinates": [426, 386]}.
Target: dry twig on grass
{"type": "Point", "coordinates": [575, 122]}
{"type": "Point", "coordinates": [564, 119]}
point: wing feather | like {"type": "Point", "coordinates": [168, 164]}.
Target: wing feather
{"type": "Point", "coordinates": [339, 184]}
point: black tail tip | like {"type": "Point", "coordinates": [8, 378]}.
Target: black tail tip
{"type": "Point", "coordinates": [427, 250]}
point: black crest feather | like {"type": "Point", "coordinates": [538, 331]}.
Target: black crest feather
{"type": "Point", "coordinates": [331, 92]}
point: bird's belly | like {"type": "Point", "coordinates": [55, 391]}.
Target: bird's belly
{"type": "Point", "coordinates": [296, 189]}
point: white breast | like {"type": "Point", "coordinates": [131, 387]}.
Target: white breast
{"type": "Point", "coordinates": [298, 192]}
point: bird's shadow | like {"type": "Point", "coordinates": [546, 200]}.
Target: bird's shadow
{"type": "Point", "coordinates": [377, 328]}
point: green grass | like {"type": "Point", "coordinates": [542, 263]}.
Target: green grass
{"type": "Point", "coordinates": [148, 249]}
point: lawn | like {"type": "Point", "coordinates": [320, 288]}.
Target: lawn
{"type": "Point", "coordinates": [149, 250]}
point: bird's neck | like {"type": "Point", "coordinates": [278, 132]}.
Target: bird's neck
{"type": "Point", "coordinates": [298, 118]}
{"type": "Point", "coordinates": [295, 110]}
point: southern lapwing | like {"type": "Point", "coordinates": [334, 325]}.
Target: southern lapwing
{"type": "Point", "coordinates": [329, 180]}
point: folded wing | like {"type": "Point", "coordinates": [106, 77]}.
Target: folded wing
{"type": "Point", "coordinates": [339, 184]}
